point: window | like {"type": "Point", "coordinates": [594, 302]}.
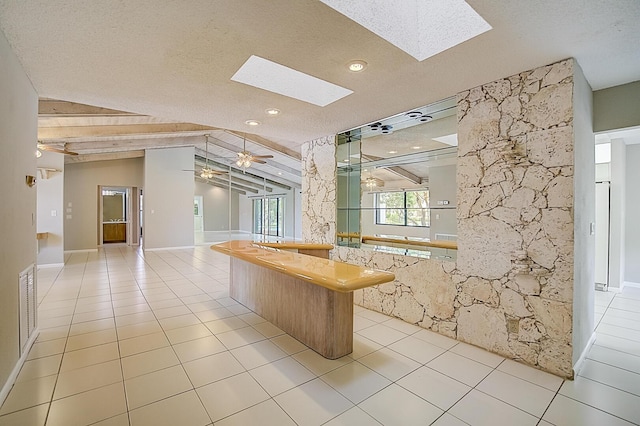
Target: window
{"type": "Point", "coordinates": [403, 208]}
{"type": "Point", "coordinates": [268, 216]}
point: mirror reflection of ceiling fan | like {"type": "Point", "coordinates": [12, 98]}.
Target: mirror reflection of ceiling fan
{"type": "Point", "coordinates": [51, 148]}
{"type": "Point", "coordinates": [207, 172]}
{"type": "Point", "coordinates": [245, 158]}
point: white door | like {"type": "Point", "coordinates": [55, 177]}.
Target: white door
{"type": "Point", "coordinates": [602, 235]}
{"type": "Point", "coordinates": [198, 220]}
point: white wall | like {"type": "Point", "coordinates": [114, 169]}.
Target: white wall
{"type": "Point", "coordinates": [168, 198]}
{"type": "Point", "coordinates": [245, 214]}
{"type": "Point", "coordinates": [216, 207]}
{"type": "Point", "coordinates": [617, 214]}
{"type": "Point", "coordinates": [51, 201]}
{"type": "Point", "coordinates": [442, 187]}
{"type": "Point", "coordinates": [18, 135]}
{"type": "Point", "coordinates": [632, 243]}
{"type": "Point", "coordinates": [81, 181]}
{"type": "Point", "coordinates": [584, 214]}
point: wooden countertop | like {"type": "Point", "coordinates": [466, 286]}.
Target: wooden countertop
{"type": "Point", "coordinates": [337, 276]}
{"type": "Point", "coordinates": [295, 245]}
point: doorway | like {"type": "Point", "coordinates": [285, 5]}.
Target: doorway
{"type": "Point", "coordinates": [118, 222]}
{"type": "Point", "coordinates": [114, 214]}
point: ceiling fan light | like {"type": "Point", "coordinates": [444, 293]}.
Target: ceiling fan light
{"type": "Point", "coordinates": [38, 153]}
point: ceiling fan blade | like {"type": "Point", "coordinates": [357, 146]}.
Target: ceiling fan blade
{"type": "Point", "coordinates": [54, 149]}
{"type": "Point", "coordinates": [262, 156]}
{"type": "Point", "coordinates": [256, 160]}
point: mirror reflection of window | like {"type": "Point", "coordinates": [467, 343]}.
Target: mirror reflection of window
{"type": "Point", "coordinates": [396, 178]}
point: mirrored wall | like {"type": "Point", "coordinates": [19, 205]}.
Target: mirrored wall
{"type": "Point", "coordinates": [397, 183]}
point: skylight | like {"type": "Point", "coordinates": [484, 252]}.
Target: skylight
{"type": "Point", "coordinates": [448, 139]}
{"type": "Point", "coordinates": [264, 74]}
{"type": "Point", "coordinates": [421, 28]}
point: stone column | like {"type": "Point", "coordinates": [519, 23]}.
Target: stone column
{"type": "Point", "coordinates": [319, 190]}
{"type": "Point", "coordinates": [515, 216]}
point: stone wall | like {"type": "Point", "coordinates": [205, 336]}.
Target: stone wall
{"type": "Point", "coordinates": [511, 289]}
{"type": "Point", "coordinates": [423, 292]}
{"type": "Point", "coordinates": [515, 216]}
{"type": "Point", "coordinates": [319, 190]}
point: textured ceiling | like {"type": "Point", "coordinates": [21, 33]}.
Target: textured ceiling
{"type": "Point", "coordinates": [174, 59]}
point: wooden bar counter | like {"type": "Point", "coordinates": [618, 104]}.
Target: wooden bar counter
{"type": "Point", "coordinates": [308, 297]}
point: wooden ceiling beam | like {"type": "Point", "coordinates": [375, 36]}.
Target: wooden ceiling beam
{"type": "Point", "coordinates": [85, 158]}
{"type": "Point", "coordinates": [54, 107]}
{"type": "Point", "coordinates": [396, 169]}
{"type": "Point", "coordinates": [68, 133]}
{"type": "Point", "coordinates": [259, 140]}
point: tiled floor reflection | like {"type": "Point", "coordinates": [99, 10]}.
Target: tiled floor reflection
{"type": "Point", "coordinates": [153, 339]}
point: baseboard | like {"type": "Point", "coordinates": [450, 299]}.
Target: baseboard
{"type": "Point", "coordinates": [50, 265]}
{"type": "Point", "coordinates": [578, 365]}
{"type": "Point", "coordinates": [11, 380]}
{"type": "Point", "coordinates": [168, 248]}
{"type": "Point", "coordinates": [630, 284]}
{"type": "Point", "coordinates": [95, 250]}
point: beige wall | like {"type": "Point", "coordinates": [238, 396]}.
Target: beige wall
{"type": "Point", "coordinates": [81, 181]}
{"type": "Point", "coordinates": [168, 198]}
{"type": "Point", "coordinates": [50, 202]}
{"type": "Point", "coordinates": [18, 135]}
{"type": "Point", "coordinates": [617, 107]}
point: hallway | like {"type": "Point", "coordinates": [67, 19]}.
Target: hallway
{"type": "Point", "coordinates": [133, 338]}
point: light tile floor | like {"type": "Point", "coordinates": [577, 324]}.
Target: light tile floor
{"type": "Point", "coordinates": [153, 339]}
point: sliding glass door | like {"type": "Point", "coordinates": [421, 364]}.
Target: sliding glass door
{"type": "Point", "coordinates": [268, 216]}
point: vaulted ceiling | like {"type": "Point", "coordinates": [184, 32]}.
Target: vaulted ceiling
{"type": "Point", "coordinates": [152, 66]}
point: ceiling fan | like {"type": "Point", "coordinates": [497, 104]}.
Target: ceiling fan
{"type": "Point", "coordinates": [245, 158]}
{"type": "Point", "coordinates": [45, 147]}
{"type": "Point", "coordinates": [207, 172]}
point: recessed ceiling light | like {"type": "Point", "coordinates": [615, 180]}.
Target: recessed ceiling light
{"type": "Point", "coordinates": [425, 118]}
{"type": "Point", "coordinates": [413, 114]}
{"type": "Point", "coordinates": [264, 74]}
{"type": "Point", "coordinates": [393, 152]}
{"type": "Point", "coordinates": [420, 31]}
{"type": "Point", "coordinates": [272, 111]}
{"type": "Point", "coordinates": [252, 122]}
{"type": "Point", "coordinates": [346, 160]}
{"type": "Point", "coordinates": [279, 173]}
{"type": "Point", "coordinates": [357, 66]}
{"type": "Point", "coordinates": [415, 147]}
{"type": "Point", "coordinates": [387, 129]}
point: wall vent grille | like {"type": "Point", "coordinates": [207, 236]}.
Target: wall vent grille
{"type": "Point", "coordinates": [28, 305]}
